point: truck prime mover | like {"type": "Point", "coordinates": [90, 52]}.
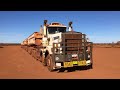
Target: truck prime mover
{"type": "Point", "coordinates": [56, 47]}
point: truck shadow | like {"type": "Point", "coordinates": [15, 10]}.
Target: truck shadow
{"type": "Point", "coordinates": [73, 69]}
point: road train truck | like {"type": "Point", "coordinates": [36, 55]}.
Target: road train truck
{"type": "Point", "coordinates": [58, 46]}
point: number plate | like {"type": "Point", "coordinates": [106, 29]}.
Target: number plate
{"type": "Point", "coordinates": [68, 64]}
{"type": "Point", "coordinates": [81, 63]}
{"type": "Point", "coordinates": [75, 62]}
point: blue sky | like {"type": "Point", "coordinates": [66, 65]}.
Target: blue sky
{"type": "Point", "coordinates": [100, 26]}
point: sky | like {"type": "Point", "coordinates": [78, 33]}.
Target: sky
{"type": "Point", "coordinates": [99, 26]}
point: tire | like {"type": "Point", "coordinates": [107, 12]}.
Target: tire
{"type": "Point", "coordinates": [35, 54]}
{"type": "Point", "coordinates": [49, 63]}
{"type": "Point", "coordinates": [43, 61]}
{"type": "Point", "coordinates": [90, 66]}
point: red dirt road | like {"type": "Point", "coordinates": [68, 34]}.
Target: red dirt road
{"type": "Point", "coordinates": [16, 63]}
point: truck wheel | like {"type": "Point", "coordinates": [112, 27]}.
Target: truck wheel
{"type": "Point", "coordinates": [43, 61]}
{"type": "Point", "coordinates": [37, 56]}
{"type": "Point", "coordinates": [90, 66]}
{"type": "Point", "coordinates": [49, 63]}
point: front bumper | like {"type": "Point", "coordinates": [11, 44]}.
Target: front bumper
{"type": "Point", "coordinates": [72, 64]}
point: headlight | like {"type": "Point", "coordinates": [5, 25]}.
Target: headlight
{"type": "Point", "coordinates": [57, 58]}
{"type": "Point", "coordinates": [88, 56]}
{"type": "Point", "coordinates": [55, 45]}
{"type": "Point", "coordinates": [56, 50]}
{"type": "Point", "coordinates": [58, 45]}
{"type": "Point", "coordinates": [60, 49]}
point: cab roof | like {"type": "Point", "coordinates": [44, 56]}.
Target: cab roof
{"type": "Point", "coordinates": [56, 24]}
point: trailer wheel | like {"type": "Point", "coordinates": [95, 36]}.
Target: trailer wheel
{"type": "Point", "coordinates": [35, 54]}
{"type": "Point", "coordinates": [49, 63]}
{"type": "Point", "coordinates": [44, 63]}
{"type": "Point", "coordinates": [38, 55]}
{"type": "Point", "coordinates": [43, 60]}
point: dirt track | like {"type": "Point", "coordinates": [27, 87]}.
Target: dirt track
{"type": "Point", "coordinates": [16, 63]}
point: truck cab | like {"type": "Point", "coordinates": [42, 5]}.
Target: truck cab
{"type": "Point", "coordinates": [64, 48]}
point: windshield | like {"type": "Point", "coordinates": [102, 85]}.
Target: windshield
{"type": "Point", "coordinates": [53, 30]}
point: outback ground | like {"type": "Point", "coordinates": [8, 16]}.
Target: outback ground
{"type": "Point", "coordinates": [16, 63]}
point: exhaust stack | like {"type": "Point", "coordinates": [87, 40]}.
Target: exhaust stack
{"type": "Point", "coordinates": [70, 26]}
{"type": "Point", "coordinates": [45, 28]}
